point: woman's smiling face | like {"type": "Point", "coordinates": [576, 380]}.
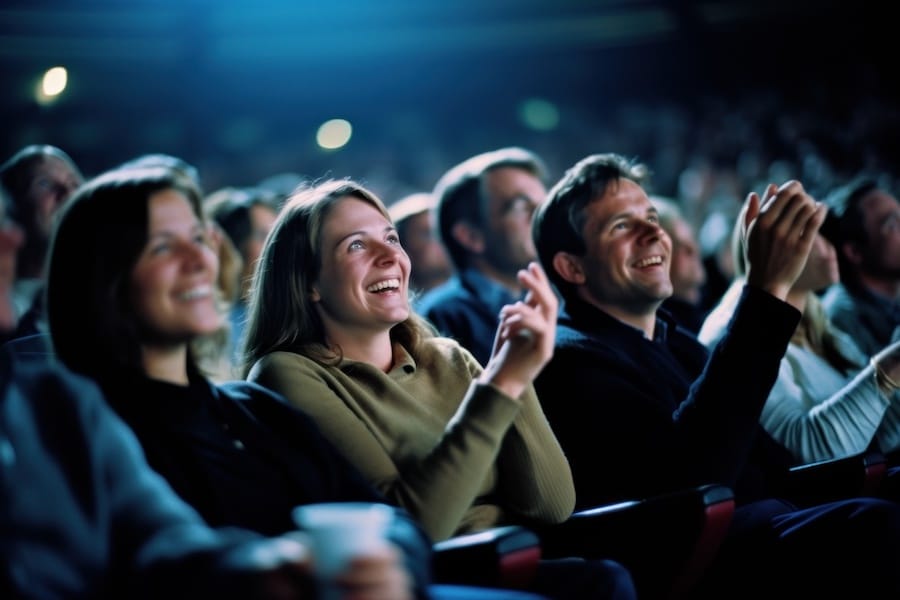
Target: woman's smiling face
{"type": "Point", "coordinates": [173, 281]}
{"type": "Point", "coordinates": [364, 277]}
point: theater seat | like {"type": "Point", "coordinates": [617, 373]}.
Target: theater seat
{"type": "Point", "coordinates": [505, 557]}
{"type": "Point", "coordinates": [666, 541]}
{"type": "Point", "coordinates": [861, 474]}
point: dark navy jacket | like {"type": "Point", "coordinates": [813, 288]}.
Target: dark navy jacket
{"type": "Point", "coordinates": [639, 417]}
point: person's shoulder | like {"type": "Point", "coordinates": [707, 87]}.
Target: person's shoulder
{"type": "Point", "coordinates": [837, 299]}
{"type": "Point", "coordinates": [575, 349]}
{"type": "Point", "coordinates": [284, 371]}
{"type": "Point", "coordinates": [47, 383]}
{"type": "Point", "coordinates": [241, 390]}
{"type": "Point", "coordinates": [445, 350]}
{"type": "Point", "coordinates": [440, 345]}
{"type": "Point", "coordinates": [267, 405]}
{"type": "Point", "coordinates": [714, 325]}
{"type": "Point", "coordinates": [847, 345]}
{"type": "Point", "coordinates": [569, 336]}
{"type": "Point", "coordinates": [444, 297]}
{"type": "Point", "coordinates": [282, 359]}
{"type": "Point", "coordinates": [583, 326]}
{"type": "Point", "coordinates": [27, 368]}
{"type": "Point", "coordinates": [716, 321]}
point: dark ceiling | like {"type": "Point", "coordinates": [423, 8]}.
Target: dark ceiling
{"type": "Point", "coordinates": [196, 77]}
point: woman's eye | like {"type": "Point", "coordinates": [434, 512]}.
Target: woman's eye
{"type": "Point", "coordinates": [393, 238]}
{"type": "Point", "coordinates": [356, 245]}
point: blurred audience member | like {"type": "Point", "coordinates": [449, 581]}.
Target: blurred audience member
{"type": "Point", "coordinates": [169, 161]}
{"type": "Point", "coordinates": [414, 217]}
{"type": "Point", "coordinates": [686, 269]}
{"type": "Point", "coordinates": [281, 185]}
{"type": "Point", "coordinates": [828, 401]}
{"type": "Point", "coordinates": [38, 179]}
{"type": "Point", "coordinates": [246, 216]}
{"type": "Point", "coordinates": [10, 241]}
{"type": "Point", "coordinates": [718, 263]}
{"type": "Point", "coordinates": [484, 208]}
{"type": "Point", "coordinates": [864, 227]}
{"type": "Point", "coordinates": [213, 351]}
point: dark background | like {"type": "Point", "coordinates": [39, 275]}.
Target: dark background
{"type": "Point", "coordinates": [238, 88]}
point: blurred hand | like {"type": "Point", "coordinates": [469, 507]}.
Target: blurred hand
{"type": "Point", "coordinates": [288, 575]}
{"type": "Point", "coordinates": [376, 576]}
{"type": "Point", "coordinates": [777, 233]}
{"type": "Point", "coordinates": [525, 336]}
{"type": "Point", "coordinates": [284, 570]}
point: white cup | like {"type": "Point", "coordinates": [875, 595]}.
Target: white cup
{"type": "Point", "coordinates": [339, 532]}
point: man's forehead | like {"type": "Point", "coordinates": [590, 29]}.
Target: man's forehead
{"type": "Point", "coordinates": [510, 179]}
{"type": "Point", "coordinates": [624, 194]}
{"type": "Point", "coordinates": [52, 165]}
{"type": "Point", "coordinates": [879, 200]}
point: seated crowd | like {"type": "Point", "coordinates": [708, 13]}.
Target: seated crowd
{"type": "Point", "coordinates": [221, 359]}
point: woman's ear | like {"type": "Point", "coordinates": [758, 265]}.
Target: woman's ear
{"type": "Point", "coordinates": [314, 295]}
{"type": "Point", "coordinates": [469, 237]}
{"type": "Point", "coordinates": [568, 266]}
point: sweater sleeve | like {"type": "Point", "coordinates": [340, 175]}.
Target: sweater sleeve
{"type": "Point", "coordinates": [742, 367]}
{"type": "Point", "coordinates": [843, 424]}
{"type": "Point", "coordinates": [535, 477]}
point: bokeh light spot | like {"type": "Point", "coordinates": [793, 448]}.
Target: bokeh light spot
{"type": "Point", "coordinates": [334, 134]}
{"type": "Point", "coordinates": [52, 84]}
{"type": "Point", "coordinates": [54, 81]}
{"type": "Point", "coordinates": [538, 114]}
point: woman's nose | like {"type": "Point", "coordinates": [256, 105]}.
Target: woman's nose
{"type": "Point", "coordinates": [194, 253]}
{"type": "Point", "coordinates": [389, 251]}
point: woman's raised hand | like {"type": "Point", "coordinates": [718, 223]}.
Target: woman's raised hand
{"type": "Point", "coordinates": [526, 335]}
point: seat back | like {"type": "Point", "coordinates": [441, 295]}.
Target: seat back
{"type": "Point", "coordinates": [666, 542]}
{"type": "Point", "coordinates": [860, 474]}
{"type": "Point", "coordinates": [718, 512]}
{"type": "Point", "coordinates": [505, 557]}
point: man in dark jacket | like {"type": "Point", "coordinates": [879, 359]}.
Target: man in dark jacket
{"type": "Point", "coordinates": [641, 409]}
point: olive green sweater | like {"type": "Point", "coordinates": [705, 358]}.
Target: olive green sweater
{"type": "Point", "coordinates": [458, 455]}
